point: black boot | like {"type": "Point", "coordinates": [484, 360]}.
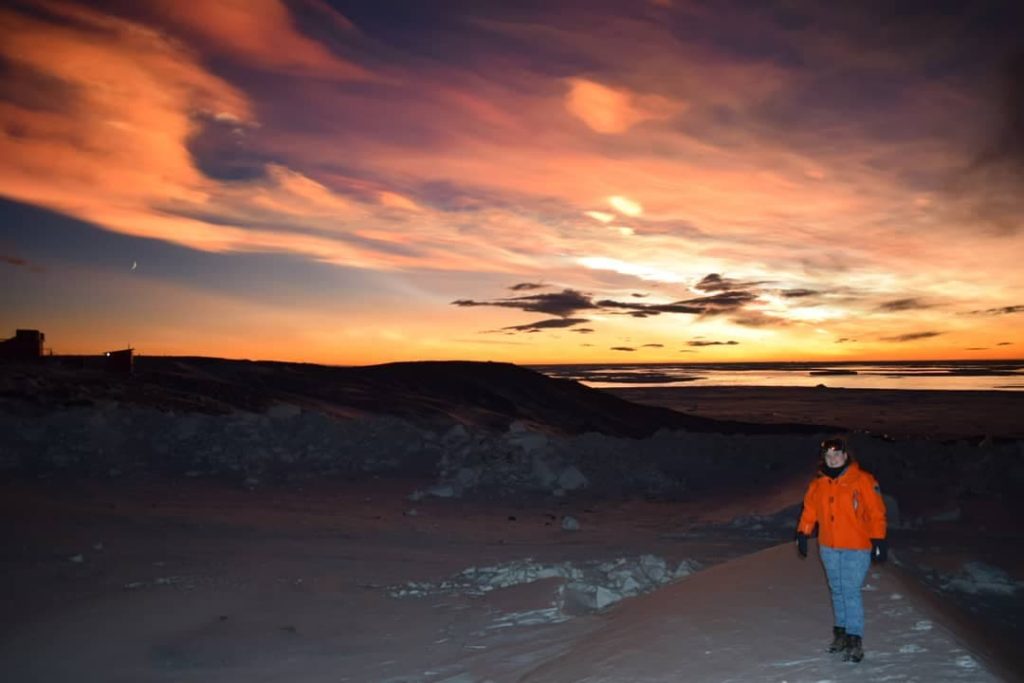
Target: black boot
{"type": "Point", "coordinates": [854, 649]}
{"type": "Point", "coordinates": [838, 639]}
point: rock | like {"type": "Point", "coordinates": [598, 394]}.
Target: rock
{"type": "Point", "coordinates": [467, 477]}
{"type": "Point", "coordinates": [186, 426]}
{"type": "Point", "coordinates": [653, 568]}
{"type": "Point", "coordinates": [517, 427]}
{"type": "Point", "coordinates": [541, 471]}
{"type": "Point", "coordinates": [529, 442]}
{"type": "Point", "coordinates": [456, 434]}
{"type": "Point", "coordinates": [570, 523]}
{"type": "Point", "coordinates": [629, 585]}
{"type": "Point", "coordinates": [590, 597]}
{"type": "Point", "coordinates": [283, 411]}
{"type": "Point", "coordinates": [604, 597]}
{"type": "Point", "coordinates": [571, 479]}
{"type": "Point", "coordinates": [685, 568]}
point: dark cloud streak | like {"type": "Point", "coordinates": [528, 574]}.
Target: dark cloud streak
{"type": "Point", "coordinates": [701, 343]}
{"type": "Point", "coordinates": [911, 336]}
{"type": "Point", "coordinates": [714, 282]}
{"type": "Point", "coordinates": [570, 301]}
{"type": "Point", "coordinates": [911, 304]}
{"type": "Point", "coordinates": [21, 263]}
{"type": "Point", "coordinates": [758, 319]}
{"type": "Point", "coordinates": [551, 323]}
{"type": "Point", "coordinates": [563, 303]}
{"type": "Point", "coordinates": [716, 304]}
{"type": "Point", "coordinates": [1002, 310]}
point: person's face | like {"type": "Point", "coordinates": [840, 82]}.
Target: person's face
{"type": "Point", "coordinates": [834, 458]}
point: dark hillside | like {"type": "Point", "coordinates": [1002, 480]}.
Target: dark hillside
{"type": "Point", "coordinates": [490, 395]}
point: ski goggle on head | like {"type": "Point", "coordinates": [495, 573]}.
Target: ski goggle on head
{"type": "Point", "coordinates": [836, 444]}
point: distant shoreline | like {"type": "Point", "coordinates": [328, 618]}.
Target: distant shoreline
{"type": "Point", "coordinates": [913, 375]}
{"type": "Point", "coordinates": [790, 363]}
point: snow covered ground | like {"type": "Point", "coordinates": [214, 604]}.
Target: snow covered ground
{"type": "Point", "coordinates": [191, 581]}
{"type": "Point", "coordinates": [764, 617]}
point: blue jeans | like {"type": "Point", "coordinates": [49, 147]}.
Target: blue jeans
{"type": "Point", "coordinates": [846, 570]}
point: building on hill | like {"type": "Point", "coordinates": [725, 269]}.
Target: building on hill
{"type": "Point", "coordinates": [122, 360]}
{"type": "Point", "coordinates": [24, 345]}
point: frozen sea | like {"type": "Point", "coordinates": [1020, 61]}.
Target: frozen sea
{"type": "Point", "coordinates": [936, 375]}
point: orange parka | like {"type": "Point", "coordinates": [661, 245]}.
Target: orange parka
{"type": "Point", "coordinates": [849, 509]}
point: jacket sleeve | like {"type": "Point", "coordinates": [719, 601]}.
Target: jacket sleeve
{"type": "Point", "coordinates": [809, 516]}
{"type": "Point", "coordinates": [875, 509]}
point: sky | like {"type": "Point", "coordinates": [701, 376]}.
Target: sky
{"type": "Point", "coordinates": [365, 181]}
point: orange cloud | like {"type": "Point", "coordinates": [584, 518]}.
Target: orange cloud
{"type": "Point", "coordinates": [121, 111]}
{"type": "Point", "coordinates": [261, 33]}
{"type": "Point", "coordinates": [113, 147]}
{"type": "Point", "coordinates": [612, 110]}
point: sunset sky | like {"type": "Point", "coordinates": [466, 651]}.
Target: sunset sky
{"type": "Point", "coordinates": [532, 181]}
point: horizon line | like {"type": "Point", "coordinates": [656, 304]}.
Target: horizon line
{"type": "Point", "coordinates": [545, 364]}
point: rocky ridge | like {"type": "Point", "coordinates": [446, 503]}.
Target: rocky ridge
{"type": "Point", "coordinates": [477, 429]}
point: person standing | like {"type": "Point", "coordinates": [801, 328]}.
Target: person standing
{"type": "Point", "coordinates": [845, 503]}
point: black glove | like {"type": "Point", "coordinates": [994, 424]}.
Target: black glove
{"type": "Point", "coordinates": [801, 544]}
{"type": "Point", "coordinates": [879, 550]}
